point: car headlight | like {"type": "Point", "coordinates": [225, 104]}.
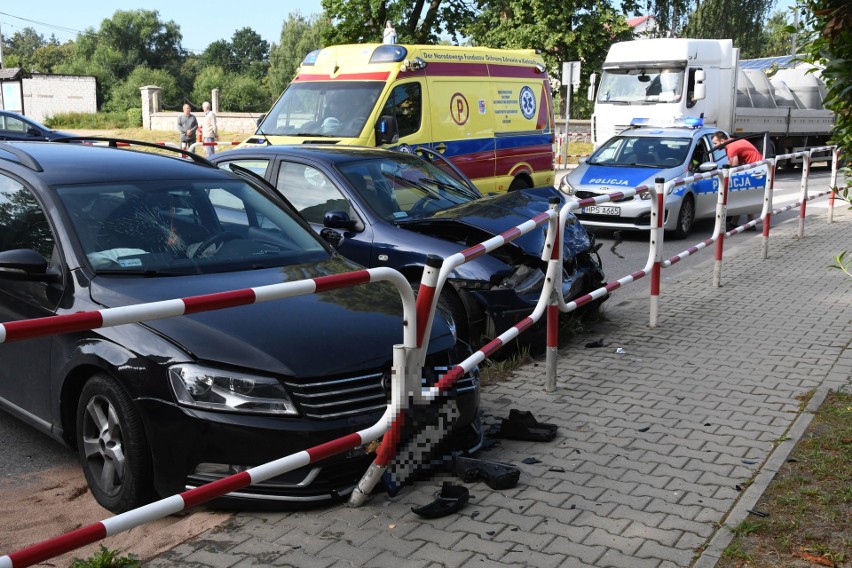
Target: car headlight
{"type": "Point", "coordinates": [566, 187]}
{"type": "Point", "coordinates": [229, 391]}
{"type": "Point", "coordinates": [524, 279]}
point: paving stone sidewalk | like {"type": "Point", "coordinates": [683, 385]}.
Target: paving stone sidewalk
{"type": "Point", "coordinates": [665, 434]}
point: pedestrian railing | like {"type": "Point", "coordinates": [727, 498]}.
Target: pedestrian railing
{"type": "Point", "coordinates": [409, 357]}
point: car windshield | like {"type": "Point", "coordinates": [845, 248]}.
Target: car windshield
{"type": "Point", "coordinates": [185, 227]}
{"type": "Point", "coordinates": [643, 151]}
{"type": "Point", "coordinates": [641, 85]}
{"type": "Point", "coordinates": [404, 187]}
{"type": "Point", "coordinates": [328, 109]}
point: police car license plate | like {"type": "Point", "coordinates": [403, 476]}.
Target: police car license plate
{"type": "Point", "coordinates": [598, 210]}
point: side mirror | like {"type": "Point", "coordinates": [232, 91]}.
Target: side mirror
{"type": "Point", "coordinates": [35, 132]}
{"type": "Point", "coordinates": [338, 220]}
{"type": "Point", "coordinates": [700, 87]}
{"type": "Point", "coordinates": [707, 167]}
{"type": "Point", "coordinates": [331, 236]}
{"type": "Point", "coordinates": [593, 79]}
{"type": "Point", "coordinates": [387, 131]}
{"type": "Point", "coordinates": [260, 119]}
{"type": "Point", "coordinates": [23, 264]}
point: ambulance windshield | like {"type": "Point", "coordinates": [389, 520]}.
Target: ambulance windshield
{"type": "Point", "coordinates": [641, 85]}
{"type": "Point", "coordinates": [328, 109]}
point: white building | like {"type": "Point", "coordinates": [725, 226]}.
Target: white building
{"type": "Point", "coordinates": [39, 96]}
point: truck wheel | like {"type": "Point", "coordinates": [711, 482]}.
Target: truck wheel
{"type": "Point", "coordinates": [112, 446]}
{"type": "Point", "coordinates": [685, 218]}
{"type": "Point", "coordinates": [519, 183]}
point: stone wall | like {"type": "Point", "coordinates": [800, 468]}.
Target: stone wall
{"type": "Point", "coordinates": [154, 118]}
{"type": "Point", "coordinates": [47, 95]}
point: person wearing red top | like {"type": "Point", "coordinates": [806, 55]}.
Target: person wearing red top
{"type": "Point", "coordinates": [739, 152]}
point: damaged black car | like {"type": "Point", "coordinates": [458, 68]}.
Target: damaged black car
{"type": "Point", "coordinates": [386, 208]}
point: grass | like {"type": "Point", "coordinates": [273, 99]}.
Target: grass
{"type": "Point", "coordinates": [106, 558]}
{"type": "Point", "coordinates": [808, 504]}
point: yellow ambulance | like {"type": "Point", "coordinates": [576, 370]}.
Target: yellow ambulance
{"type": "Point", "coordinates": [488, 110]}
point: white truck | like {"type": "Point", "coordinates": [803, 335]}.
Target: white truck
{"type": "Point", "coordinates": [673, 78]}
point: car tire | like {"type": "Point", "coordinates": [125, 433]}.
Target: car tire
{"type": "Point", "coordinates": [112, 446]}
{"type": "Point", "coordinates": [519, 182]}
{"type": "Point", "coordinates": [685, 218]}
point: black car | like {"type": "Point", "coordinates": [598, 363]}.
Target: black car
{"type": "Point", "coordinates": [14, 126]}
{"type": "Point", "coordinates": [387, 208]}
{"type": "Point", "coordinates": [157, 407]}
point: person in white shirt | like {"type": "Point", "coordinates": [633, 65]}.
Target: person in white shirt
{"type": "Point", "coordinates": [209, 130]}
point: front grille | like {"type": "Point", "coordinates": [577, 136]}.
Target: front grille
{"type": "Point", "coordinates": [361, 394]}
{"type": "Point", "coordinates": [582, 194]}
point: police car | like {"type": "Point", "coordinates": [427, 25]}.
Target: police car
{"type": "Point", "coordinates": [642, 153]}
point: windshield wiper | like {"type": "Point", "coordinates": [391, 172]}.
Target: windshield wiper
{"type": "Point", "coordinates": [460, 188]}
{"type": "Point", "coordinates": [146, 272]}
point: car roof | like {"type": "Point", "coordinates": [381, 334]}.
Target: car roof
{"type": "Point", "coordinates": [670, 132]}
{"type": "Point", "coordinates": [329, 152]}
{"type": "Point", "coordinates": [71, 163]}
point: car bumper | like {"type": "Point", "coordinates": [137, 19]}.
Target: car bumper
{"type": "Point", "coordinates": [192, 447]}
{"type": "Point", "coordinates": [634, 213]}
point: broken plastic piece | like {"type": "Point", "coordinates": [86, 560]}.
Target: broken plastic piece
{"type": "Point", "coordinates": [521, 425]}
{"type": "Point", "coordinates": [495, 474]}
{"type": "Point", "coordinates": [620, 350]}
{"type": "Point", "coordinates": [594, 344]}
{"type": "Point", "coordinates": [530, 461]}
{"type": "Point", "coordinates": [451, 499]}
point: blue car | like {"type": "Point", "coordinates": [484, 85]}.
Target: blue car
{"type": "Point", "coordinates": [639, 155]}
{"type": "Point", "coordinates": [386, 208]}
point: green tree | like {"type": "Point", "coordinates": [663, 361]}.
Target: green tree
{"type": "Point", "coordinates": [417, 21]}
{"type": "Point", "coordinates": [670, 14]}
{"type": "Point", "coordinates": [245, 93]}
{"type": "Point", "coordinates": [126, 94]}
{"type": "Point", "coordinates": [777, 39]}
{"type": "Point", "coordinates": [739, 20]}
{"type": "Point", "coordinates": [208, 78]}
{"type": "Point", "coordinates": [579, 30]}
{"type": "Point", "coordinates": [19, 50]}
{"type": "Point", "coordinates": [299, 36]}
{"type": "Point", "coordinates": [48, 57]}
{"type": "Point", "coordinates": [125, 41]}
{"type": "Point", "coordinates": [218, 54]}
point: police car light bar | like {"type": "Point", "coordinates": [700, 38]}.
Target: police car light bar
{"type": "Point", "coordinates": [673, 122]}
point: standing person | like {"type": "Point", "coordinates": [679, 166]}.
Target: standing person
{"type": "Point", "coordinates": [390, 33]}
{"type": "Point", "coordinates": [739, 152]}
{"type": "Point", "coordinates": [187, 126]}
{"type": "Point", "coordinates": [209, 128]}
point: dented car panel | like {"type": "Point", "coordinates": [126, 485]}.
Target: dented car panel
{"type": "Point", "coordinates": [392, 209]}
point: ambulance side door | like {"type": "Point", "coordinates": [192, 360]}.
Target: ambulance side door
{"type": "Point", "coordinates": [462, 117]}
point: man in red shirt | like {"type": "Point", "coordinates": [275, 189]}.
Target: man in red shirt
{"type": "Point", "coordinates": [739, 152]}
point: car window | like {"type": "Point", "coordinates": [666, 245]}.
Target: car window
{"type": "Point", "coordinates": [23, 224]}
{"type": "Point", "coordinates": [402, 187]}
{"type": "Point", "coordinates": [180, 227]}
{"type": "Point", "coordinates": [310, 191]}
{"type": "Point", "coordinates": [257, 166]}
{"type": "Point", "coordinates": [643, 151]}
{"type": "Point", "coordinates": [13, 124]}
{"type": "Point", "coordinates": [405, 103]}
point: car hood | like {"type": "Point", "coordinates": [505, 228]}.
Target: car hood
{"type": "Point", "coordinates": [481, 219]}
{"type": "Point", "coordinates": [333, 332]}
{"type": "Point", "coordinates": [611, 178]}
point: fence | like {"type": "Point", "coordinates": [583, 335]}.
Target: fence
{"type": "Point", "coordinates": [418, 319]}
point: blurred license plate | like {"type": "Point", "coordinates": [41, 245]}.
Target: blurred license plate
{"type": "Point", "coordinates": [598, 210]}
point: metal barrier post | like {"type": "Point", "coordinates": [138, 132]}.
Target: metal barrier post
{"type": "Point", "coordinates": [658, 211]}
{"type": "Point", "coordinates": [553, 256]}
{"type": "Point", "coordinates": [806, 172]}
{"type": "Point", "coordinates": [767, 207]}
{"type": "Point", "coordinates": [721, 215]}
{"type": "Point", "coordinates": [835, 159]}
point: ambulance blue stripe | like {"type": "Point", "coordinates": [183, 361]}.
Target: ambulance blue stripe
{"type": "Point", "coordinates": [517, 141]}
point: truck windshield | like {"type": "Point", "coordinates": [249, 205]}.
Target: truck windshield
{"type": "Point", "coordinates": [642, 151]}
{"type": "Point", "coordinates": [332, 109]}
{"type": "Point", "coordinates": [641, 85]}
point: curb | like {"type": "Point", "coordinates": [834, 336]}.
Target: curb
{"type": "Point", "coordinates": [723, 537]}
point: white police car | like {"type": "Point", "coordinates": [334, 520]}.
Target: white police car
{"type": "Point", "coordinates": [642, 153]}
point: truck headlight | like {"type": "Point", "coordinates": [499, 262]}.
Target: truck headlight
{"type": "Point", "coordinates": [566, 187]}
{"type": "Point", "coordinates": [229, 391]}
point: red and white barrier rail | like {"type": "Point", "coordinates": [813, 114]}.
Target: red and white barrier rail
{"type": "Point", "coordinates": [197, 145]}
{"type": "Point", "coordinates": [54, 325]}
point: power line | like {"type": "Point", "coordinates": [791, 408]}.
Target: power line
{"type": "Point", "coordinates": [52, 26]}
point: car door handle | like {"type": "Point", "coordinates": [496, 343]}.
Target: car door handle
{"type": "Point", "coordinates": [441, 147]}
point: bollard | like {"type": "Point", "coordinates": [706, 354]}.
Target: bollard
{"type": "Point", "coordinates": [721, 215]}
{"type": "Point", "coordinates": [806, 172]}
{"type": "Point", "coordinates": [767, 207]}
{"type": "Point", "coordinates": [835, 158]}
{"type": "Point", "coordinates": [658, 212]}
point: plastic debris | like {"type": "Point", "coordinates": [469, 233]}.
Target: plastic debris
{"type": "Point", "coordinates": [530, 461]}
{"type": "Point", "coordinates": [757, 513]}
{"type": "Point", "coordinates": [522, 425]}
{"type": "Point", "coordinates": [450, 500]}
{"type": "Point", "coordinates": [620, 350]}
{"type": "Point", "coordinates": [495, 474]}
{"type": "Point", "coordinates": [594, 344]}
{"type": "Point", "coordinates": [645, 429]}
